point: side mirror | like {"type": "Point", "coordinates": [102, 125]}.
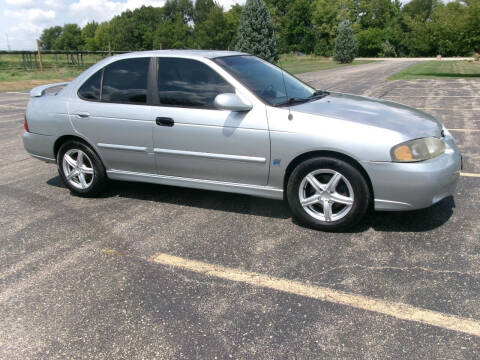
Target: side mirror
{"type": "Point", "coordinates": [231, 102]}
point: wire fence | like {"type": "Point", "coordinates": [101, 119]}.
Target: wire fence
{"type": "Point", "coordinates": [24, 60]}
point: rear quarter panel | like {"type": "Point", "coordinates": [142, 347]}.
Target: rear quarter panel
{"type": "Point", "coordinates": [48, 115]}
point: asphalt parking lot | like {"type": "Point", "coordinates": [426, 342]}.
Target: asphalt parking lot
{"type": "Point", "coordinates": [150, 271]}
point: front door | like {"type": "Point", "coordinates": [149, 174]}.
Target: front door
{"type": "Point", "coordinates": [111, 112]}
{"type": "Point", "coordinates": [194, 140]}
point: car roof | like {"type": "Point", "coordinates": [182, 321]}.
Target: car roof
{"type": "Point", "coordinates": [210, 54]}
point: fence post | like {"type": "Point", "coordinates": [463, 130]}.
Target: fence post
{"type": "Point", "coordinates": [39, 55]}
{"type": "Point", "coordinates": [24, 62]}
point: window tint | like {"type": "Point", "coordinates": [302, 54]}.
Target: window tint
{"type": "Point", "coordinates": [125, 81]}
{"type": "Point", "coordinates": [189, 83]}
{"type": "Point", "coordinates": [90, 90]}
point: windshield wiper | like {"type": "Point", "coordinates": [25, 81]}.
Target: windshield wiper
{"type": "Point", "coordinates": [318, 94]}
{"type": "Point", "coordinates": [292, 101]}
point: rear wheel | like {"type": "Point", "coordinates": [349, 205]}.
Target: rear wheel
{"type": "Point", "coordinates": [81, 169]}
{"type": "Point", "coordinates": [328, 194]}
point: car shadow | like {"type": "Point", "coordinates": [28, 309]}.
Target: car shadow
{"type": "Point", "coordinates": [408, 221]}
{"type": "Point", "coordinates": [203, 199]}
{"type": "Point", "coordinates": [405, 221]}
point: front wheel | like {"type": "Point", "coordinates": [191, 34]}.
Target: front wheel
{"type": "Point", "coordinates": [81, 169]}
{"type": "Point", "coordinates": [328, 194]}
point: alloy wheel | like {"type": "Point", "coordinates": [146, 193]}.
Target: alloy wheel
{"type": "Point", "coordinates": [326, 195]}
{"type": "Point", "coordinates": [78, 169]}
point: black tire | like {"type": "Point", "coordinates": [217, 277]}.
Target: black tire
{"type": "Point", "coordinates": [99, 179]}
{"type": "Point", "coordinates": [357, 182]}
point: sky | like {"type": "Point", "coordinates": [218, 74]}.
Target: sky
{"type": "Point", "coordinates": [22, 21]}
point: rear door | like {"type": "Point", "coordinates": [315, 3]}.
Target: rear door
{"type": "Point", "coordinates": [111, 112]}
{"type": "Point", "coordinates": [192, 139]}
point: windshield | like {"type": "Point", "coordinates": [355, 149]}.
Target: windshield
{"type": "Point", "coordinates": [270, 83]}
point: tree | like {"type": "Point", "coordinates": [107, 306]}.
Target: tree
{"type": "Point", "coordinates": [278, 10]}
{"type": "Point", "coordinates": [88, 36]}
{"type": "Point", "coordinates": [70, 39]}
{"type": "Point", "coordinates": [173, 34]}
{"type": "Point", "coordinates": [213, 32]}
{"type": "Point", "coordinates": [299, 34]}
{"type": "Point", "coordinates": [422, 9]}
{"type": "Point", "coordinates": [123, 35]}
{"type": "Point", "coordinates": [145, 21]}
{"type": "Point", "coordinates": [345, 44]}
{"type": "Point", "coordinates": [232, 19]}
{"type": "Point", "coordinates": [103, 36]}
{"type": "Point", "coordinates": [370, 41]}
{"type": "Point", "coordinates": [202, 10]}
{"type": "Point", "coordinates": [326, 15]}
{"type": "Point", "coordinates": [449, 27]}
{"type": "Point", "coordinates": [377, 13]}
{"type": "Point", "coordinates": [255, 32]}
{"type": "Point", "coordinates": [472, 24]}
{"type": "Point", "coordinates": [179, 8]}
{"type": "Point", "coordinates": [49, 37]}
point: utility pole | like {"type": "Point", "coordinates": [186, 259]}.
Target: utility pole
{"type": "Point", "coordinates": [8, 42]}
{"type": "Point", "coordinates": [39, 55]}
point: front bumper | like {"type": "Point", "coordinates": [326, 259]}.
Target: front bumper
{"type": "Point", "coordinates": [410, 186]}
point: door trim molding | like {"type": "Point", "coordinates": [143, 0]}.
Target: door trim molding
{"type": "Point", "coordinates": [251, 159]}
{"type": "Point", "coordinates": [122, 147]}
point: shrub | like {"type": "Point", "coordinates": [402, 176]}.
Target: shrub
{"type": "Point", "coordinates": [345, 44]}
{"type": "Point", "coordinates": [388, 50]}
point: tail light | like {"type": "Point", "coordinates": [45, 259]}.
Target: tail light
{"type": "Point", "coordinates": [25, 124]}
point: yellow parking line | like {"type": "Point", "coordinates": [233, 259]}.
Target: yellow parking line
{"type": "Point", "coordinates": [428, 96]}
{"type": "Point", "coordinates": [397, 310]}
{"type": "Point", "coordinates": [470, 174]}
{"type": "Point", "coordinates": [461, 109]}
{"type": "Point", "coordinates": [465, 130]}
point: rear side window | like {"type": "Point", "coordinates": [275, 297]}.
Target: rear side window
{"type": "Point", "coordinates": [90, 90]}
{"type": "Point", "coordinates": [189, 83]}
{"type": "Point", "coordinates": [125, 81]}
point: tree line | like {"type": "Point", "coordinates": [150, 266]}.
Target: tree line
{"type": "Point", "coordinates": [381, 27]}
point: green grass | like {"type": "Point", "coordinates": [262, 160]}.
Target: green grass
{"type": "Point", "coordinates": [16, 80]}
{"type": "Point", "coordinates": [302, 64]}
{"type": "Point", "coordinates": [20, 75]}
{"type": "Point", "coordinates": [14, 77]}
{"type": "Point", "coordinates": [439, 69]}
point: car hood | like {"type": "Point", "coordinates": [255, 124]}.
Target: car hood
{"type": "Point", "coordinates": [408, 121]}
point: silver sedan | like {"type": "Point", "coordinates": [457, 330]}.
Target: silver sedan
{"type": "Point", "coordinates": [229, 121]}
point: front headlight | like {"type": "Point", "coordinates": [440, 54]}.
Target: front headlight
{"type": "Point", "coordinates": [418, 150]}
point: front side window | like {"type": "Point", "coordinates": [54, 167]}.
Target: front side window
{"type": "Point", "coordinates": [189, 83]}
{"type": "Point", "coordinates": [267, 81]}
{"type": "Point", "coordinates": [125, 81]}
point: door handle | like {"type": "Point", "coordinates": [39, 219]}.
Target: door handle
{"type": "Point", "coordinates": [165, 121]}
{"type": "Point", "coordinates": [83, 114]}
